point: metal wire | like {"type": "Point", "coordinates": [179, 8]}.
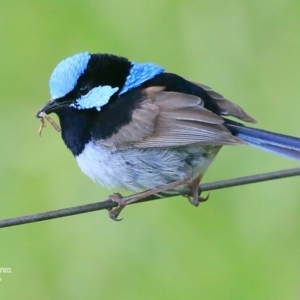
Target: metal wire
{"type": "Point", "coordinates": [108, 204]}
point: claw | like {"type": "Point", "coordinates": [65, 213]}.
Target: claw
{"type": "Point", "coordinates": [203, 199]}
{"type": "Point", "coordinates": [196, 201]}
{"type": "Point", "coordinates": [114, 212]}
{"type": "Point", "coordinates": [114, 216]}
{"type": "Point", "coordinates": [195, 196]}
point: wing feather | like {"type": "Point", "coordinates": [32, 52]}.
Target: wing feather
{"type": "Point", "coordinates": [226, 107]}
{"type": "Point", "coordinates": [170, 119]}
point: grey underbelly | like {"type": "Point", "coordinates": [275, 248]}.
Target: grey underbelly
{"type": "Point", "coordinates": [138, 169]}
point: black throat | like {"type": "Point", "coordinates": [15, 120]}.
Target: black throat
{"type": "Point", "coordinates": [82, 126]}
{"type": "Point", "coordinates": [75, 128]}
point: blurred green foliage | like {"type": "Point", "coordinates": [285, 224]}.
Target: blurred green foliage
{"type": "Point", "coordinates": [244, 243]}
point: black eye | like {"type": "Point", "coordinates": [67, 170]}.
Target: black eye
{"type": "Point", "coordinates": [83, 90]}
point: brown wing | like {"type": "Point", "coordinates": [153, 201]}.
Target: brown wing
{"type": "Point", "coordinates": [226, 107]}
{"type": "Point", "coordinates": [169, 119]}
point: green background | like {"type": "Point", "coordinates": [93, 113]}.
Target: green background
{"type": "Point", "coordinates": [244, 243]}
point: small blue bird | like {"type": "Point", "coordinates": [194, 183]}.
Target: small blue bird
{"type": "Point", "coordinates": [135, 126]}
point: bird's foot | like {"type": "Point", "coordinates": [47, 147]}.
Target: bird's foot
{"type": "Point", "coordinates": [123, 201]}
{"type": "Point", "coordinates": [195, 197]}
{"type": "Point", "coordinates": [115, 211]}
{"type": "Point", "coordinates": [197, 200]}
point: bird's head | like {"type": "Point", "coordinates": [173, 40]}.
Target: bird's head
{"type": "Point", "coordinates": [87, 81]}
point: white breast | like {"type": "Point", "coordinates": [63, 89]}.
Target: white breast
{"type": "Point", "coordinates": [102, 166]}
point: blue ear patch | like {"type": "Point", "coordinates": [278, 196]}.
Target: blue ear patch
{"type": "Point", "coordinates": [96, 98]}
{"type": "Point", "coordinates": [65, 75]}
{"type": "Point", "coordinates": [139, 73]}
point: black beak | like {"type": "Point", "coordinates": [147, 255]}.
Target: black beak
{"type": "Point", "coordinates": [52, 106]}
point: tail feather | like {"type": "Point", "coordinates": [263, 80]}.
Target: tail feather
{"type": "Point", "coordinates": [276, 143]}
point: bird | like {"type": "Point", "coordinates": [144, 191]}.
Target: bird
{"type": "Point", "coordinates": [135, 126]}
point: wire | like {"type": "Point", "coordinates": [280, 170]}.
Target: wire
{"type": "Point", "coordinates": [109, 204]}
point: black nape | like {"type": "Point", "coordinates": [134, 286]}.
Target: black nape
{"type": "Point", "coordinates": [106, 69]}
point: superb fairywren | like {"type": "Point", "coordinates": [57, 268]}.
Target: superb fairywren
{"type": "Point", "coordinates": [135, 126]}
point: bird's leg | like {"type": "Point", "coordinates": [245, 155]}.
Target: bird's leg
{"type": "Point", "coordinates": [195, 197]}
{"type": "Point", "coordinates": [123, 201]}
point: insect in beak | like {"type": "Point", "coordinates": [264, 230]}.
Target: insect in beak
{"type": "Point", "coordinates": [42, 115]}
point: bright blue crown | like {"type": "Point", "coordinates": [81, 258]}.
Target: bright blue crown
{"type": "Point", "coordinates": [65, 75]}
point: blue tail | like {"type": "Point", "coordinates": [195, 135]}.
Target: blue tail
{"type": "Point", "coordinates": [276, 143]}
